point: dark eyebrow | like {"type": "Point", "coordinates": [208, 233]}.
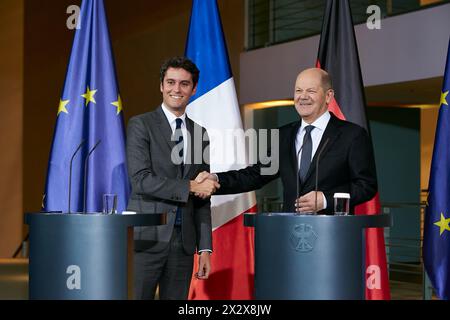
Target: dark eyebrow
{"type": "Point", "coordinates": [297, 88]}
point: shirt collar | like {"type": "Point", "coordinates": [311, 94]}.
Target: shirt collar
{"type": "Point", "coordinates": [320, 123]}
{"type": "Point", "coordinates": [170, 116]}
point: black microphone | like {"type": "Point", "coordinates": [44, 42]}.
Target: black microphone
{"type": "Point", "coordinates": [85, 173]}
{"type": "Point", "coordinates": [70, 172]}
{"type": "Point", "coordinates": [317, 171]}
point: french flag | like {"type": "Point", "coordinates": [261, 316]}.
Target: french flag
{"type": "Point", "coordinates": [215, 107]}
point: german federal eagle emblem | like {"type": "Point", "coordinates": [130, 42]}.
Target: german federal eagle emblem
{"type": "Point", "coordinates": [303, 237]}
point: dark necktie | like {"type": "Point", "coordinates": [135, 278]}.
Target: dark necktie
{"type": "Point", "coordinates": [178, 133]}
{"type": "Point", "coordinates": [305, 159]}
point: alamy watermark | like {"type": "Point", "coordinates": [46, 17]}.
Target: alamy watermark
{"type": "Point", "coordinates": [230, 148]}
{"type": "Point", "coordinates": [73, 21]}
{"type": "Point", "coordinates": [374, 20]}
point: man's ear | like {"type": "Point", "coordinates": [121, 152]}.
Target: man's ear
{"type": "Point", "coordinates": [161, 87]}
{"type": "Point", "coordinates": [194, 90]}
{"type": "Point", "coordinates": [329, 95]}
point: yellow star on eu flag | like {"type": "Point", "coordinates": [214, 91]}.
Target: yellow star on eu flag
{"type": "Point", "coordinates": [118, 104]}
{"type": "Point", "coordinates": [443, 224]}
{"type": "Point", "coordinates": [89, 96]}
{"type": "Point", "coordinates": [443, 98]}
{"type": "Point", "coordinates": [62, 106]}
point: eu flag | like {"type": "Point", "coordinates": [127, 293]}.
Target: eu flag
{"type": "Point", "coordinates": [436, 240]}
{"type": "Point", "coordinates": [90, 110]}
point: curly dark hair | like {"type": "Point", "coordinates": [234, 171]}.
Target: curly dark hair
{"type": "Point", "coordinates": [180, 62]}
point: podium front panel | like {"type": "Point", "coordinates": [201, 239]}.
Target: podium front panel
{"type": "Point", "coordinates": [310, 257]}
{"type": "Point", "coordinates": [75, 256]}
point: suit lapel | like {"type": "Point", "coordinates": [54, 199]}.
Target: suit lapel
{"type": "Point", "coordinates": [166, 134]}
{"type": "Point", "coordinates": [329, 137]}
{"type": "Point", "coordinates": [292, 152]}
{"type": "Point", "coordinates": [164, 128]}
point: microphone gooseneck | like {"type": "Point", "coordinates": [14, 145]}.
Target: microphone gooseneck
{"type": "Point", "coordinates": [317, 172]}
{"type": "Point", "coordinates": [86, 162]}
{"type": "Point", "coordinates": [70, 173]}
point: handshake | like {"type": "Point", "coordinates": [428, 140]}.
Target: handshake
{"type": "Point", "coordinates": [204, 185]}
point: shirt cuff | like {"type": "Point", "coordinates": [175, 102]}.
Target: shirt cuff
{"type": "Point", "coordinates": [324, 201]}
{"type": "Point", "coordinates": [207, 250]}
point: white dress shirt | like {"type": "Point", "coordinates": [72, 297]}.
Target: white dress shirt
{"type": "Point", "coordinates": [316, 136]}
{"type": "Point", "coordinates": [173, 125]}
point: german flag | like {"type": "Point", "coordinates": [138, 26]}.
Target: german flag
{"type": "Point", "coordinates": [338, 55]}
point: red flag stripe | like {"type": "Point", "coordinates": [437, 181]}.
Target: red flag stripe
{"type": "Point", "coordinates": [232, 264]}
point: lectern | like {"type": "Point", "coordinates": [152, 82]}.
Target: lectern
{"type": "Point", "coordinates": [311, 257]}
{"type": "Point", "coordinates": [81, 256]}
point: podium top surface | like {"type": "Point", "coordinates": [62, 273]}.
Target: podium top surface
{"type": "Point", "coordinates": [139, 219]}
{"type": "Point", "coordinates": [364, 221]}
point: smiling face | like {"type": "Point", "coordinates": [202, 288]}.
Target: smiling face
{"type": "Point", "coordinates": [311, 98]}
{"type": "Point", "coordinates": [177, 87]}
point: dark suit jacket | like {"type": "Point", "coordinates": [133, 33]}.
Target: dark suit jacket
{"type": "Point", "coordinates": [346, 165]}
{"type": "Point", "coordinates": [158, 185]}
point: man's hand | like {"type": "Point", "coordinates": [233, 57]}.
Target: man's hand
{"type": "Point", "coordinates": [307, 202]}
{"type": "Point", "coordinates": [202, 176]}
{"type": "Point", "coordinates": [204, 189]}
{"type": "Point", "coordinates": [204, 266]}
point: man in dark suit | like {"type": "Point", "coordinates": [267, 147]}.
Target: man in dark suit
{"type": "Point", "coordinates": [346, 161]}
{"type": "Point", "coordinates": [160, 145]}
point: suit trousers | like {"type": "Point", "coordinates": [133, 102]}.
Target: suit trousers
{"type": "Point", "coordinates": [171, 269]}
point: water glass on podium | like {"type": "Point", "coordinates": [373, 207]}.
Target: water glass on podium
{"type": "Point", "coordinates": [341, 204]}
{"type": "Point", "coordinates": [109, 203]}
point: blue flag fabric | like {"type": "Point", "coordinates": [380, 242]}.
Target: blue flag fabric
{"type": "Point", "coordinates": [206, 46]}
{"type": "Point", "coordinates": [436, 242]}
{"type": "Point", "coordinates": [90, 110]}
